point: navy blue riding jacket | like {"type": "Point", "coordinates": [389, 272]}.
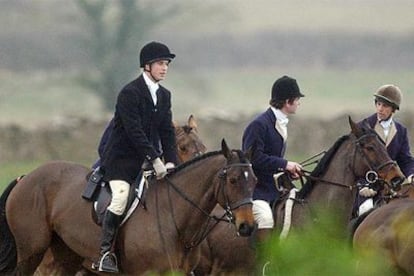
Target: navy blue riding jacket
{"type": "Point", "coordinates": [268, 155]}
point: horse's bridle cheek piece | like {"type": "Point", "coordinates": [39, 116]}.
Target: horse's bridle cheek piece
{"type": "Point", "coordinates": [372, 175]}
{"type": "Point", "coordinates": [221, 189]}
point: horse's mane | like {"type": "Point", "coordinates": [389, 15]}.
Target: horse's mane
{"type": "Point", "coordinates": [194, 160]}
{"type": "Point", "coordinates": [240, 154]}
{"type": "Point", "coordinates": [321, 167]}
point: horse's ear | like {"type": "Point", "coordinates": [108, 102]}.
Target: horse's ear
{"type": "Point", "coordinates": [355, 128]}
{"type": "Point", "coordinates": [192, 122]}
{"type": "Point", "coordinates": [225, 149]}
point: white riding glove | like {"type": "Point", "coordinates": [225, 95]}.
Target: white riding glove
{"type": "Point", "coordinates": [159, 168]}
{"type": "Point", "coordinates": [410, 179]}
{"type": "Point", "coordinates": [367, 192]}
{"type": "Point", "coordinates": [170, 165]}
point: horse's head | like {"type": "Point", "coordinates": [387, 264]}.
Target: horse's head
{"type": "Point", "coordinates": [189, 144]}
{"type": "Point", "coordinates": [234, 194]}
{"type": "Point", "coordinates": [371, 158]}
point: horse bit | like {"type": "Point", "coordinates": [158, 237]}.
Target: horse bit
{"type": "Point", "coordinates": [371, 176]}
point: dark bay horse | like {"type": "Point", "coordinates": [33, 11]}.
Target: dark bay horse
{"type": "Point", "coordinates": [189, 145]}
{"type": "Point", "coordinates": [331, 186]}
{"type": "Point", "coordinates": [388, 232]}
{"type": "Point", "coordinates": [45, 209]}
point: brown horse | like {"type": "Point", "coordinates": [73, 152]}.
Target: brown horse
{"type": "Point", "coordinates": [388, 232]}
{"type": "Point", "coordinates": [159, 238]}
{"type": "Point", "coordinates": [189, 145]}
{"type": "Point", "coordinates": [331, 186]}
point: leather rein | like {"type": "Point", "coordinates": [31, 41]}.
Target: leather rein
{"type": "Point", "coordinates": [371, 176]}
{"type": "Point", "coordinates": [202, 234]}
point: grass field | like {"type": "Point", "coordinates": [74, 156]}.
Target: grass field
{"type": "Point", "coordinates": [227, 94]}
{"type": "Point", "coordinates": [328, 93]}
{"type": "Point", "coordinates": [10, 171]}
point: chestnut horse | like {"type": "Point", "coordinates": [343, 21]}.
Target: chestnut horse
{"type": "Point", "coordinates": [45, 209]}
{"type": "Point", "coordinates": [388, 231]}
{"type": "Point", "coordinates": [331, 186]}
{"type": "Point", "coordinates": [189, 145]}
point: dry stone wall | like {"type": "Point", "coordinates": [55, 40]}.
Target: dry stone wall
{"type": "Point", "coordinates": [78, 140]}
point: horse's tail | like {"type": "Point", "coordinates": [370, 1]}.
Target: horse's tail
{"type": "Point", "coordinates": [8, 253]}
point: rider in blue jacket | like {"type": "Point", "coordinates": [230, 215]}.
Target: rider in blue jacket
{"type": "Point", "coordinates": [267, 136]}
{"type": "Point", "coordinates": [387, 101]}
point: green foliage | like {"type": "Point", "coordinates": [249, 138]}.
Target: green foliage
{"type": "Point", "coordinates": [318, 249]}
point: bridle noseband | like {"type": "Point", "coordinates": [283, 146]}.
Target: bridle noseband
{"type": "Point", "coordinates": [371, 175]}
{"type": "Point", "coordinates": [232, 206]}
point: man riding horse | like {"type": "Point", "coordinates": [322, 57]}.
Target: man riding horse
{"type": "Point", "coordinates": [142, 124]}
{"type": "Point", "coordinates": [267, 134]}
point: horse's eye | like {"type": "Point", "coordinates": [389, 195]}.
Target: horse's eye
{"type": "Point", "coordinates": [370, 148]}
{"type": "Point", "coordinates": [182, 148]}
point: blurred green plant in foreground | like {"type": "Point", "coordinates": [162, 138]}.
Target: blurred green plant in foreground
{"type": "Point", "coordinates": [319, 249]}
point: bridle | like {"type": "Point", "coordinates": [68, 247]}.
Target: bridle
{"type": "Point", "coordinates": [371, 175]}
{"type": "Point", "coordinates": [229, 207]}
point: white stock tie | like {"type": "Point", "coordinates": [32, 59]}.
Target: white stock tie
{"type": "Point", "coordinates": [281, 126]}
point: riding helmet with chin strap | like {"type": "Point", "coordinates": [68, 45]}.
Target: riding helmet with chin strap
{"type": "Point", "coordinates": [154, 51]}
{"type": "Point", "coordinates": [389, 94]}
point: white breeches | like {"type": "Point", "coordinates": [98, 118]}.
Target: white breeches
{"type": "Point", "coordinates": [262, 214]}
{"type": "Point", "coordinates": [120, 191]}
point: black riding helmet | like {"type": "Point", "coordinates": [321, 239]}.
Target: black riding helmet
{"type": "Point", "coordinates": [154, 51]}
{"type": "Point", "coordinates": [285, 88]}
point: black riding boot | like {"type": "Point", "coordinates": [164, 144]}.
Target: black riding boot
{"type": "Point", "coordinates": [107, 261]}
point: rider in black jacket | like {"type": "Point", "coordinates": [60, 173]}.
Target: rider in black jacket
{"type": "Point", "coordinates": [142, 132]}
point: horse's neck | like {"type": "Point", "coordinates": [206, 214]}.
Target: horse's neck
{"type": "Point", "coordinates": [191, 208]}
{"type": "Point", "coordinates": [331, 192]}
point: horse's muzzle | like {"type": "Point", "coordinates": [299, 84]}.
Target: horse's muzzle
{"type": "Point", "coordinates": [245, 229]}
{"type": "Point", "coordinates": [396, 183]}
{"type": "Point", "coordinates": [244, 220]}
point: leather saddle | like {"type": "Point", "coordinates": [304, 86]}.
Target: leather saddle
{"type": "Point", "coordinates": [99, 192]}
